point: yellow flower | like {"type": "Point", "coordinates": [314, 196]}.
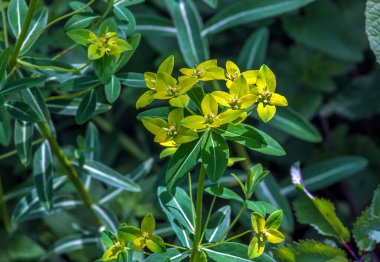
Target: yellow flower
{"type": "Point", "coordinates": [167, 87]}
{"type": "Point", "coordinates": [233, 72]}
{"type": "Point", "coordinates": [107, 44]}
{"type": "Point", "coordinates": [266, 97]}
{"type": "Point", "coordinates": [170, 133]}
{"type": "Point", "coordinates": [205, 71]}
{"type": "Point", "coordinates": [266, 231]}
{"type": "Point", "coordinates": [210, 116]}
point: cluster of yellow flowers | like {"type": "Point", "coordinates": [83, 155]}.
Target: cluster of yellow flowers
{"type": "Point", "coordinates": [245, 92]}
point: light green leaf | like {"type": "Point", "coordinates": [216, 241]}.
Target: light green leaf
{"type": "Point", "coordinates": [218, 224]}
{"type": "Point", "coordinates": [249, 11]}
{"type": "Point", "coordinates": [372, 14]}
{"type": "Point", "coordinates": [326, 173]}
{"type": "Point", "coordinates": [188, 22]}
{"type": "Point", "coordinates": [17, 11]}
{"type": "Point", "coordinates": [109, 176]}
{"type": "Point", "coordinates": [86, 107]}
{"type": "Point", "coordinates": [214, 156]}
{"type": "Point", "coordinates": [23, 136]}
{"type": "Point", "coordinates": [112, 89]}
{"type": "Point", "coordinates": [254, 51]}
{"type": "Point", "coordinates": [43, 173]}
{"type": "Point", "coordinates": [183, 160]}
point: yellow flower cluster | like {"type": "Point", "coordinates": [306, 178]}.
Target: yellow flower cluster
{"type": "Point", "coordinates": [246, 91]}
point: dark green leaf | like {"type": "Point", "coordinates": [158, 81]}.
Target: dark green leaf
{"type": "Point", "coordinates": [172, 255]}
{"type": "Point", "coordinates": [70, 107]}
{"type": "Point", "coordinates": [224, 193]}
{"type": "Point", "coordinates": [214, 156]}
{"type": "Point", "coordinates": [80, 21]}
{"type": "Point", "coordinates": [86, 107]}
{"type": "Point", "coordinates": [5, 129]}
{"type": "Point", "coordinates": [126, 16]}
{"type": "Point", "coordinates": [134, 41]}
{"type": "Point", "coordinates": [23, 137]}
{"type": "Point", "coordinates": [150, 25]}
{"type": "Point", "coordinates": [131, 79]}
{"type": "Point", "coordinates": [112, 89]}
{"type": "Point", "coordinates": [34, 98]}
{"type": "Point", "coordinates": [218, 224]}
{"type": "Point", "coordinates": [161, 112]}
{"type": "Point", "coordinates": [43, 173]}
{"type": "Point", "coordinates": [4, 58]}
{"type": "Point", "coordinates": [37, 24]}
{"type": "Point", "coordinates": [21, 84]}
{"type": "Point", "coordinates": [107, 217]}
{"type": "Point", "coordinates": [17, 11]}
{"type": "Point", "coordinates": [372, 14]}
{"type": "Point", "coordinates": [22, 111]}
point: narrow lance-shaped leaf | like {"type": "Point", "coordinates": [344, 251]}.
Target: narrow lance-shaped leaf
{"type": "Point", "coordinates": [22, 112]}
{"type": "Point", "coordinates": [92, 147]}
{"type": "Point", "coordinates": [249, 11]}
{"type": "Point", "coordinates": [23, 136]}
{"type": "Point", "coordinates": [218, 224]}
{"type": "Point", "coordinates": [131, 79]}
{"type": "Point", "coordinates": [70, 107]}
{"type": "Point", "coordinates": [112, 89]}
{"type": "Point", "coordinates": [37, 24]}
{"type": "Point", "coordinates": [5, 129]}
{"type": "Point", "coordinates": [254, 50]}
{"type": "Point", "coordinates": [134, 41]}
{"type": "Point", "coordinates": [320, 212]}
{"type": "Point", "coordinates": [150, 25]}
{"type": "Point", "coordinates": [188, 22]}
{"type": "Point", "coordinates": [43, 175]}
{"type": "Point", "coordinates": [109, 176]}
{"type": "Point", "coordinates": [17, 10]}
{"type": "Point", "coordinates": [21, 84]}
{"type": "Point", "coordinates": [86, 107]}
{"type": "Point", "coordinates": [107, 216]}
{"type": "Point", "coordinates": [4, 57]}
{"type": "Point", "coordinates": [35, 99]}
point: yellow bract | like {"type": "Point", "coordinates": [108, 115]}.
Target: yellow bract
{"type": "Point", "coordinates": [233, 72]}
{"type": "Point", "coordinates": [210, 116]}
{"type": "Point", "coordinates": [205, 71]}
{"type": "Point", "coordinates": [266, 97]}
{"type": "Point", "coordinates": [107, 44]}
{"type": "Point", "coordinates": [170, 133]}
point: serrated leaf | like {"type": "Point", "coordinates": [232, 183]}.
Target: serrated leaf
{"type": "Point", "coordinates": [254, 50]}
{"type": "Point", "coordinates": [188, 22]}
{"type": "Point", "coordinates": [86, 107]}
{"type": "Point", "coordinates": [109, 176]}
{"type": "Point", "coordinates": [249, 11]}
{"type": "Point", "coordinates": [17, 11]}
{"type": "Point", "coordinates": [183, 160]}
{"type": "Point", "coordinates": [179, 211]}
{"type": "Point", "coordinates": [214, 156]}
{"type": "Point", "coordinates": [112, 89]}
{"type": "Point", "coordinates": [372, 14]}
{"type": "Point", "coordinates": [43, 173]}
{"type": "Point", "coordinates": [23, 137]}
{"type": "Point", "coordinates": [218, 224]}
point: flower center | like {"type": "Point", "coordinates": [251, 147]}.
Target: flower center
{"type": "Point", "coordinates": [264, 97]}
{"type": "Point", "coordinates": [234, 103]}
{"type": "Point", "coordinates": [103, 40]}
{"type": "Point", "coordinates": [210, 118]}
{"type": "Point", "coordinates": [198, 72]}
{"type": "Point", "coordinates": [172, 130]}
{"type": "Point", "coordinates": [174, 91]}
{"type": "Point", "coordinates": [145, 235]}
{"type": "Point", "coordinates": [233, 76]}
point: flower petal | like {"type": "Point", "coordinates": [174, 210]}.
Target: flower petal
{"type": "Point", "coordinates": [209, 105]}
{"type": "Point", "coordinates": [251, 76]}
{"type": "Point", "coordinates": [239, 87]}
{"type": "Point", "coordinates": [186, 83]}
{"type": "Point", "coordinates": [139, 243]}
{"type": "Point", "coordinates": [150, 79]}
{"type": "Point", "coordinates": [194, 122]}
{"type": "Point", "coordinates": [145, 99]}
{"type": "Point", "coordinates": [278, 100]}
{"type": "Point", "coordinates": [179, 101]}
{"type": "Point", "coordinates": [222, 98]}
{"type": "Point", "coordinates": [148, 224]}
{"type": "Point", "coordinates": [154, 125]}
{"type": "Point", "coordinates": [187, 71]}
{"type": "Point", "coordinates": [232, 68]}
{"type": "Point", "coordinates": [247, 100]}
{"type": "Point", "coordinates": [256, 248]}
{"type": "Point", "coordinates": [165, 81]}
{"type": "Point", "coordinates": [95, 51]}
{"type": "Point", "coordinates": [258, 222]}
{"type": "Point", "coordinates": [229, 116]}
{"type": "Point", "coordinates": [207, 64]}
{"type": "Point", "coordinates": [162, 137]}
{"type": "Point", "coordinates": [274, 236]}
{"type": "Point", "coordinates": [175, 116]}
{"type": "Point", "coordinates": [267, 112]}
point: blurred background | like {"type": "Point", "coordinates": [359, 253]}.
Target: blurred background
{"type": "Point", "coordinates": [324, 66]}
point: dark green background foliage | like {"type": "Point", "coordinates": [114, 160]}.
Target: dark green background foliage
{"type": "Point", "coordinates": [324, 66]}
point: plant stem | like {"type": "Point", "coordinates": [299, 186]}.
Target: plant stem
{"type": "Point", "coordinates": [71, 172]}
{"type": "Point", "coordinates": [4, 209]}
{"type": "Point", "coordinates": [191, 197]}
{"type": "Point", "coordinates": [24, 31]}
{"type": "Point", "coordinates": [236, 219]}
{"type": "Point", "coordinates": [14, 152]}
{"type": "Point", "coordinates": [74, 70]}
{"type": "Point", "coordinates": [352, 253]}
{"type": "Point", "coordinates": [4, 19]}
{"type": "Point", "coordinates": [208, 216]}
{"type": "Point", "coordinates": [228, 240]}
{"type": "Point", "coordinates": [198, 210]}
{"type": "Point", "coordinates": [175, 246]}
{"type": "Point", "coordinates": [72, 95]}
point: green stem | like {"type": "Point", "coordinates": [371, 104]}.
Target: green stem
{"type": "Point", "coordinates": [70, 96]}
{"type": "Point", "coordinates": [208, 216]}
{"type": "Point", "coordinates": [71, 172]}
{"type": "Point", "coordinates": [175, 246]}
{"type": "Point", "coordinates": [198, 210]}
{"type": "Point", "coordinates": [4, 209]}
{"type": "Point", "coordinates": [228, 240]}
{"type": "Point", "coordinates": [236, 219]}
{"type": "Point", "coordinates": [14, 152]}
{"type": "Point", "coordinates": [191, 197]}
{"type": "Point", "coordinates": [5, 27]}
{"type": "Point", "coordinates": [24, 31]}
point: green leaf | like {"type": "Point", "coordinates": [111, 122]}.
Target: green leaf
{"type": "Point", "coordinates": [78, 83]}
{"type": "Point", "coordinates": [254, 50]}
{"type": "Point", "coordinates": [23, 137]}
{"type": "Point", "coordinates": [4, 58]}
{"type": "Point", "coordinates": [214, 156]}
{"type": "Point", "coordinates": [80, 36]}
{"type": "Point", "coordinates": [218, 224]}
{"type": "Point", "coordinates": [249, 11]}
{"type": "Point", "coordinates": [320, 212]}
{"type": "Point", "coordinates": [92, 143]}
{"type": "Point", "coordinates": [178, 208]}
{"type": "Point", "coordinates": [372, 14]}
{"type": "Point", "coordinates": [43, 173]}
{"type": "Point", "coordinates": [211, 3]}
{"type": "Point", "coordinates": [223, 192]}
{"type": "Point", "coordinates": [182, 162]}
{"type": "Point", "coordinates": [235, 252]}
{"type": "Point", "coordinates": [127, 2]}
{"type": "Point", "coordinates": [326, 32]}
{"type": "Point", "coordinates": [260, 207]}
{"type": "Point", "coordinates": [5, 129]}
{"type": "Point", "coordinates": [252, 138]}
{"type": "Point", "coordinates": [22, 111]}
{"type": "Point", "coordinates": [173, 255]}
{"type": "Point", "coordinates": [274, 220]}
{"type": "Point", "coordinates": [269, 190]}
{"type": "Point", "coordinates": [255, 175]}
{"type": "Point", "coordinates": [161, 112]}
{"type": "Point", "coordinates": [69, 244]}
{"type": "Point", "coordinates": [365, 226]}
{"type": "Point", "coordinates": [70, 107]}
{"type": "Point", "coordinates": [131, 79]}
{"type": "Point", "coordinates": [112, 89]}
{"type": "Point", "coordinates": [309, 250]}
{"type": "Point", "coordinates": [126, 16]}
{"type": "Point", "coordinates": [39, 21]}
{"type": "Point", "coordinates": [105, 67]}
{"type": "Point", "coordinates": [289, 121]}
{"type": "Point", "coordinates": [109, 176]}
{"type": "Point", "coordinates": [108, 238]}
{"type": "Point", "coordinates": [196, 93]}
{"type": "Point", "coordinates": [21, 84]}
{"type": "Point", "coordinates": [86, 108]}
{"type": "Point", "coordinates": [107, 217]}
{"type": "Point", "coordinates": [108, 25]}
{"type": "Point", "coordinates": [188, 22]}
{"type": "Point", "coordinates": [326, 173]}
{"type": "Point", "coordinates": [17, 11]}
{"type": "Point", "coordinates": [34, 98]}
{"type": "Point", "coordinates": [80, 21]}
{"type": "Point", "coordinates": [152, 25]}
{"type": "Point", "coordinates": [134, 41]}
